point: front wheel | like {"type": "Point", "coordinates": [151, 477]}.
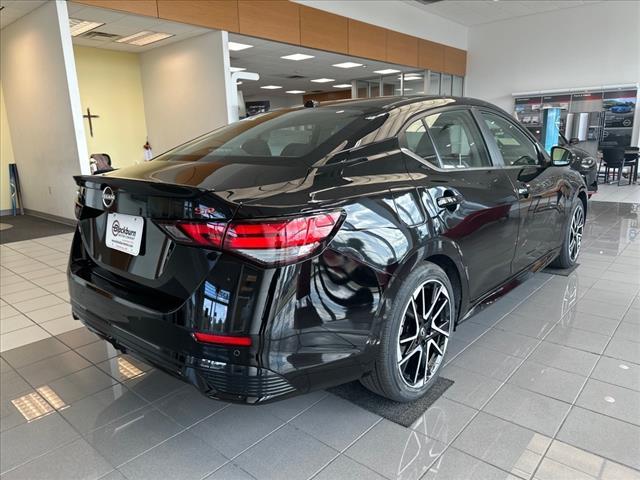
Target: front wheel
{"type": "Point", "coordinates": [572, 239]}
{"type": "Point", "coordinates": [414, 338]}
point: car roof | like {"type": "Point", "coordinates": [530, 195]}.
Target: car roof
{"type": "Point", "coordinates": [380, 104]}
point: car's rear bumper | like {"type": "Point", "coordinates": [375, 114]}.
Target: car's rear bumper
{"type": "Point", "coordinates": [216, 379]}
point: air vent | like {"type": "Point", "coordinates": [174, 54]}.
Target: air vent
{"type": "Point", "coordinates": [99, 35]}
{"type": "Point", "coordinates": [296, 76]}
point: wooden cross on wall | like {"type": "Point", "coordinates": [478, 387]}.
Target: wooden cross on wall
{"type": "Point", "coordinates": [89, 117]}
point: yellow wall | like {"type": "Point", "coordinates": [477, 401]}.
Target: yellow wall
{"type": "Point", "coordinates": [110, 85]}
{"type": "Point", "coordinates": [6, 156]}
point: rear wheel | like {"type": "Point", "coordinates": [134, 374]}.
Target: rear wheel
{"type": "Point", "coordinates": [573, 238]}
{"type": "Point", "coordinates": [414, 338]}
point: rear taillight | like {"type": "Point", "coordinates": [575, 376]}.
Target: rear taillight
{"type": "Point", "coordinates": [230, 340]}
{"type": "Point", "coordinates": [269, 242]}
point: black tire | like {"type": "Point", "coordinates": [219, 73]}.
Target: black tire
{"type": "Point", "coordinates": [386, 379]}
{"type": "Point", "coordinates": [568, 255]}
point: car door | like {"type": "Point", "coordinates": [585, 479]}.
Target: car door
{"type": "Point", "coordinates": [474, 198]}
{"type": "Point", "coordinates": [541, 192]}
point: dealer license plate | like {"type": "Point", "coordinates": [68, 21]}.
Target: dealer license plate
{"type": "Point", "coordinates": [124, 233]}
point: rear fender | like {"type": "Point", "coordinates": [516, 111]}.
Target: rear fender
{"type": "Point", "coordinates": [435, 246]}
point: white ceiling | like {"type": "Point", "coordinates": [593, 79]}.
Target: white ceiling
{"type": "Point", "coordinates": [478, 12]}
{"type": "Point", "coordinates": [264, 58]}
{"type": "Point", "coordinates": [14, 9]}
{"type": "Point", "coordinates": [124, 24]}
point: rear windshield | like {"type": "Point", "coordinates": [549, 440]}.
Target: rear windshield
{"type": "Point", "coordinates": [309, 133]}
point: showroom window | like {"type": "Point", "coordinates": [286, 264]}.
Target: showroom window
{"type": "Point", "coordinates": [515, 146]}
{"type": "Point", "coordinates": [418, 141]}
{"type": "Point", "coordinates": [411, 83]}
{"type": "Point", "coordinates": [434, 83]}
{"type": "Point", "coordinates": [457, 140]}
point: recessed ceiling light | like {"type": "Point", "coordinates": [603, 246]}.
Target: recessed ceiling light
{"type": "Point", "coordinates": [409, 79]}
{"type": "Point", "coordinates": [78, 27]}
{"type": "Point", "coordinates": [295, 91]}
{"type": "Point", "coordinates": [387, 71]}
{"type": "Point", "coordinates": [144, 38]}
{"type": "Point", "coordinates": [342, 85]}
{"type": "Point", "coordinates": [323, 80]}
{"type": "Point", "coordinates": [236, 47]}
{"type": "Point", "coordinates": [271, 87]}
{"type": "Point", "coordinates": [236, 69]}
{"type": "Point", "coordinates": [297, 57]}
{"type": "Point", "coordinates": [347, 65]}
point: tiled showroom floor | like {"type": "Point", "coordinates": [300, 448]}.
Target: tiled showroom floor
{"type": "Point", "coordinates": [547, 386]}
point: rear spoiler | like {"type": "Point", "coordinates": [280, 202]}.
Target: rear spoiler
{"type": "Point", "coordinates": [159, 189]}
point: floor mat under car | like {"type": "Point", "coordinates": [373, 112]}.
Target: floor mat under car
{"type": "Point", "coordinates": [26, 227]}
{"type": "Point", "coordinates": [404, 414]}
{"type": "Point", "coordinates": [565, 272]}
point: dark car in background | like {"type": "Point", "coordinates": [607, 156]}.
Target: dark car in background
{"type": "Point", "coordinates": [584, 163]}
{"type": "Point", "coordinates": [301, 249]}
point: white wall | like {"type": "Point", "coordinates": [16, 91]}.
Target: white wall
{"type": "Point", "coordinates": [590, 45]}
{"type": "Point", "coordinates": [400, 16]}
{"type": "Point", "coordinates": [185, 89]}
{"type": "Point", "coordinates": [43, 108]}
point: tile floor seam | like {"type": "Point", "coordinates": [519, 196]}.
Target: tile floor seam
{"type": "Point", "coordinates": [480, 409]}
{"type": "Point", "coordinates": [494, 324]}
{"type": "Point", "coordinates": [342, 452]}
{"type": "Point", "coordinates": [573, 405]}
{"type": "Point", "coordinates": [285, 422]}
{"type": "Point", "coordinates": [58, 447]}
{"type": "Point", "coordinates": [80, 434]}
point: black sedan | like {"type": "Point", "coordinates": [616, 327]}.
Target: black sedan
{"type": "Point", "coordinates": [301, 249]}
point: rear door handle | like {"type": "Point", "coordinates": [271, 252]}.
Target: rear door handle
{"type": "Point", "coordinates": [449, 201]}
{"type": "Point", "coordinates": [523, 191]}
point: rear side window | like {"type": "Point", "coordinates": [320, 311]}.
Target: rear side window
{"type": "Point", "coordinates": [418, 141]}
{"type": "Point", "coordinates": [458, 140]}
{"type": "Point", "coordinates": [515, 146]}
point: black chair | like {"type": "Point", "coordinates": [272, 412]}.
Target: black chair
{"type": "Point", "coordinates": [632, 157]}
{"type": "Point", "coordinates": [614, 161]}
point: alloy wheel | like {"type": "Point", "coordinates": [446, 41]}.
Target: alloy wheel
{"type": "Point", "coordinates": [575, 234]}
{"type": "Point", "coordinates": [424, 333]}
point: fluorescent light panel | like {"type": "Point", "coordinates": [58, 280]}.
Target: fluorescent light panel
{"type": "Point", "coordinates": [347, 65]}
{"type": "Point", "coordinates": [78, 27]}
{"type": "Point", "coordinates": [342, 85]}
{"type": "Point", "coordinates": [323, 80]}
{"type": "Point", "coordinates": [141, 39]}
{"type": "Point", "coordinates": [236, 69]}
{"type": "Point", "coordinates": [296, 57]}
{"type": "Point", "coordinates": [271, 87]}
{"type": "Point", "coordinates": [236, 47]}
{"type": "Point", "coordinates": [295, 91]}
{"type": "Point", "coordinates": [387, 71]}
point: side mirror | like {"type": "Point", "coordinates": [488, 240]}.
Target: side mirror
{"type": "Point", "coordinates": [560, 156]}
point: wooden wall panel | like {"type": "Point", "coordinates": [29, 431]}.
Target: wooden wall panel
{"type": "Point", "coordinates": [139, 7]}
{"type": "Point", "coordinates": [323, 30]}
{"type": "Point", "coordinates": [275, 20]}
{"type": "Point", "coordinates": [328, 96]}
{"type": "Point", "coordinates": [367, 41]}
{"type": "Point", "coordinates": [402, 49]}
{"type": "Point", "coordinates": [220, 14]}
{"type": "Point", "coordinates": [431, 55]}
{"type": "Point", "coordinates": [455, 61]}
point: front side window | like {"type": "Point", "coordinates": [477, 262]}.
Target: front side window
{"type": "Point", "coordinates": [515, 146]}
{"type": "Point", "coordinates": [458, 140]}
